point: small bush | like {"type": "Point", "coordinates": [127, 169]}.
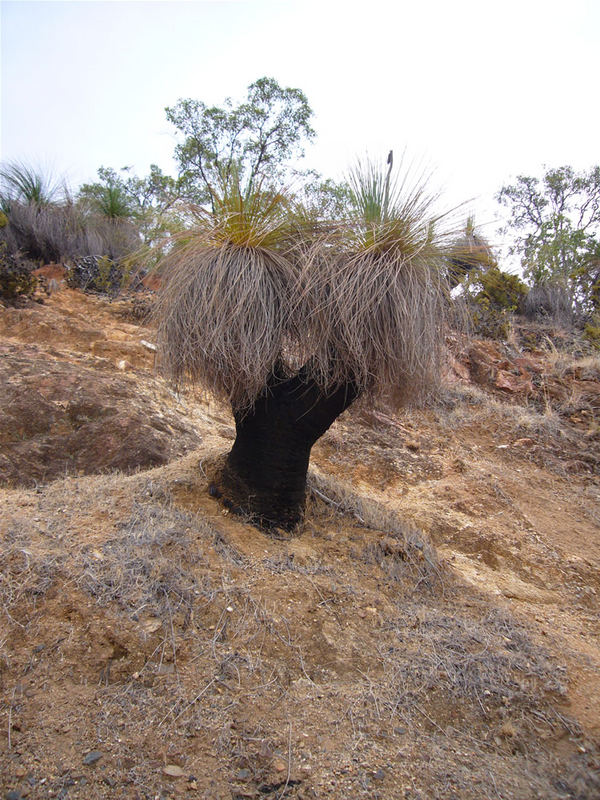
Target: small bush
{"type": "Point", "coordinates": [591, 332]}
{"type": "Point", "coordinates": [16, 278]}
{"type": "Point", "coordinates": [492, 297]}
{"type": "Point", "coordinates": [97, 274]}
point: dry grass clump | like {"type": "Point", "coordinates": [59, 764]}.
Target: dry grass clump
{"type": "Point", "coordinates": [148, 565]}
{"type": "Point", "coordinates": [490, 660]}
{"type": "Point", "coordinates": [26, 574]}
{"type": "Point", "coordinates": [548, 303]}
{"type": "Point", "coordinates": [252, 293]}
{"type": "Point", "coordinates": [563, 364]}
{"type": "Point", "coordinates": [407, 546]}
{"type": "Point", "coordinates": [467, 405]}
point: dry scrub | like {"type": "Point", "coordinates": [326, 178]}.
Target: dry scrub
{"type": "Point", "coordinates": [346, 662]}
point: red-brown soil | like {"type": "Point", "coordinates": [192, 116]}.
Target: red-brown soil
{"type": "Point", "coordinates": [432, 633]}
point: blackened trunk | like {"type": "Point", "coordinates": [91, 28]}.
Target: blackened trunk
{"type": "Point", "coordinates": [265, 472]}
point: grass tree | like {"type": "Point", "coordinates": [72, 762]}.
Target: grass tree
{"type": "Point", "coordinates": [292, 325]}
{"type": "Point", "coordinates": [470, 252]}
{"type": "Point", "coordinates": [21, 183]}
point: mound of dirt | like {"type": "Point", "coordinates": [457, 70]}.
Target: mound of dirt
{"type": "Point", "coordinates": [60, 417]}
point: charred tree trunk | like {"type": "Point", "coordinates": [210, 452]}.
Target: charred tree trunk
{"type": "Point", "coordinates": [265, 472]}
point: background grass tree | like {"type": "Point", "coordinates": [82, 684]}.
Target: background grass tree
{"type": "Point", "coordinates": [43, 223]}
{"type": "Point", "coordinates": [24, 184]}
{"type": "Point", "coordinates": [470, 251]}
{"type": "Point", "coordinates": [149, 203]}
{"type": "Point", "coordinates": [291, 327]}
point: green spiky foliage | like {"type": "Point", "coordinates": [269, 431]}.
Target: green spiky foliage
{"type": "Point", "coordinates": [24, 184]}
{"type": "Point", "coordinates": [113, 204]}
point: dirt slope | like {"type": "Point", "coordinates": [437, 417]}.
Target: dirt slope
{"type": "Point", "coordinates": [432, 633]}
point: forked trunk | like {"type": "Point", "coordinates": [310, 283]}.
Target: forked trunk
{"type": "Point", "coordinates": [264, 475]}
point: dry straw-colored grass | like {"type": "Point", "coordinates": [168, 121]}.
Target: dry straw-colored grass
{"type": "Point", "coordinates": [252, 293]}
{"type": "Point", "coordinates": [225, 317]}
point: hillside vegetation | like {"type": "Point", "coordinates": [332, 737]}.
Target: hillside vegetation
{"type": "Point", "coordinates": [433, 632]}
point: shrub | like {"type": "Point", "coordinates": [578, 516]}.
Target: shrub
{"type": "Point", "coordinates": [492, 297]}
{"type": "Point", "coordinates": [16, 278]}
{"type": "Point", "coordinates": [591, 331]}
{"type": "Point", "coordinates": [97, 274]}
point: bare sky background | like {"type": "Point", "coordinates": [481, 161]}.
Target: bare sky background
{"type": "Point", "coordinates": [476, 91]}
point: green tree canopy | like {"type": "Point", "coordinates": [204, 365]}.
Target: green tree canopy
{"type": "Point", "coordinates": [253, 140]}
{"type": "Point", "coordinates": [556, 221]}
{"type": "Point", "coordinates": [147, 202]}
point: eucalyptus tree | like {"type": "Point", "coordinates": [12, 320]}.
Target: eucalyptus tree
{"type": "Point", "coordinates": [556, 223]}
{"type": "Point", "coordinates": [254, 140]}
{"type": "Point", "coordinates": [291, 325]}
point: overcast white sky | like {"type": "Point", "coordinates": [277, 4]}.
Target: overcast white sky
{"type": "Point", "coordinates": [479, 91]}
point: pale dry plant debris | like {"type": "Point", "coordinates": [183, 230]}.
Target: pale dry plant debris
{"type": "Point", "coordinates": [26, 574]}
{"type": "Point", "coordinates": [400, 539]}
{"type": "Point", "coordinates": [151, 561]}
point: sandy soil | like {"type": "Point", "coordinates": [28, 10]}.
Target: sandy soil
{"type": "Point", "coordinates": [432, 633]}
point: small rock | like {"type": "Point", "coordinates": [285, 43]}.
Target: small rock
{"type": "Point", "coordinates": [279, 765]}
{"type": "Point", "coordinates": [379, 775]}
{"type": "Point", "coordinates": [152, 625]}
{"type": "Point", "coordinates": [525, 442]}
{"type": "Point", "coordinates": [243, 775]}
{"type": "Point", "coordinates": [173, 771]}
{"type": "Point", "coordinates": [92, 757]}
{"type": "Point", "coordinates": [14, 794]}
